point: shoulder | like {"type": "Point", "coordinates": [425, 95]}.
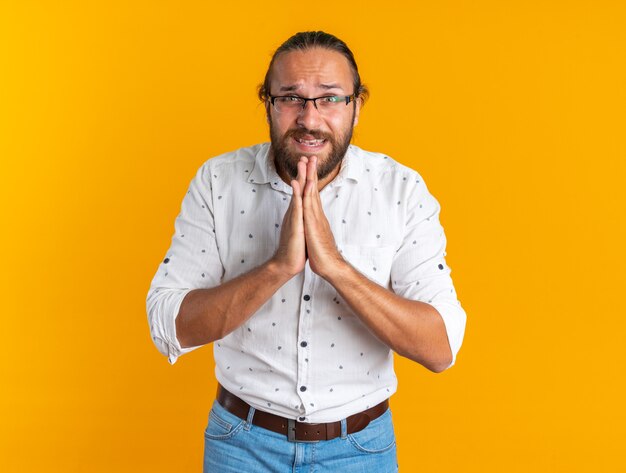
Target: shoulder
{"type": "Point", "coordinates": [227, 167]}
{"type": "Point", "coordinates": [401, 187]}
{"type": "Point", "coordinates": [235, 159]}
{"type": "Point", "coordinates": [383, 169]}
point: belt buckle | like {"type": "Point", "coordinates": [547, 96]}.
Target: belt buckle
{"type": "Point", "coordinates": [291, 432]}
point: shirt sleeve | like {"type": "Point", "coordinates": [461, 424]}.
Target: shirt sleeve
{"type": "Point", "coordinates": [192, 262]}
{"type": "Point", "coordinates": [419, 271]}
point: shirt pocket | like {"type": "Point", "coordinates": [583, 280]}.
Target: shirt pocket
{"type": "Point", "coordinates": [374, 262]}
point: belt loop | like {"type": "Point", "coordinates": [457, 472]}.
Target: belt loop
{"type": "Point", "coordinates": [344, 429]}
{"type": "Point", "coordinates": [249, 419]}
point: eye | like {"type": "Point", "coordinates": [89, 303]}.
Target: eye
{"type": "Point", "coordinates": [330, 99]}
{"type": "Point", "coordinates": [291, 99]}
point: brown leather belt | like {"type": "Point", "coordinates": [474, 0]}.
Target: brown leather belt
{"type": "Point", "coordinates": [294, 430]}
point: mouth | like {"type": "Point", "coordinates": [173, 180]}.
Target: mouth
{"type": "Point", "coordinates": [310, 144]}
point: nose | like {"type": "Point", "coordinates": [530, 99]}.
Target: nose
{"type": "Point", "coordinates": [309, 117]}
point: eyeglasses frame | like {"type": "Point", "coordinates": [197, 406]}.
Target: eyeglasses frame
{"type": "Point", "coordinates": [347, 98]}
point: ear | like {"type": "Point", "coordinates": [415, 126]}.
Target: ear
{"type": "Point", "coordinates": [267, 111]}
{"type": "Point", "coordinates": [357, 111]}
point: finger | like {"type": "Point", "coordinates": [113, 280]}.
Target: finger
{"type": "Point", "coordinates": [315, 172]}
{"type": "Point", "coordinates": [297, 192]}
{"type": "Point", "coordinates": [311, 169]}
{"type": "Point", "coordinates": [311, 177]}
{"type": "Point", "coordinates": [296, 201]}
{"type": "Point", "coordinates": [315, 180]}
{"type": "Point", "coordinates": [302, 165]}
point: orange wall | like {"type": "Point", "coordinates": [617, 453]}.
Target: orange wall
{"type": "Point", "coordinates": [512, 111]}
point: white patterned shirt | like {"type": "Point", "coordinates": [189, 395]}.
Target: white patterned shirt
{"type": "Point", "coordinates": [304, 354]}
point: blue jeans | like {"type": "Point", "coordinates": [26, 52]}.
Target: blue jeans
{"type": "Point", "coordinates": [234, 445]}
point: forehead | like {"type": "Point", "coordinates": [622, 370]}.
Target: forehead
{"type": "Point", "coordinates": [316, 68]}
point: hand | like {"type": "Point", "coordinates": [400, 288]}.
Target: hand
{"type": "Point", "coordinates": [324, 258]}
{"type": "Point", "coordinates": [291, 253]}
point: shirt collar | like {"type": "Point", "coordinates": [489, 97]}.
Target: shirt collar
{"type": "Point", "coordinates": [262, 170]}
{"type": "Point", "coordinates": [351, 166]}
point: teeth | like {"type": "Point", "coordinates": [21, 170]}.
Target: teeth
{"type": "Point", "coordinates": [311, 142]}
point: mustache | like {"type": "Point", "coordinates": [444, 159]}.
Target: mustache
{"type": "Point", "coordinates": [301, 133]}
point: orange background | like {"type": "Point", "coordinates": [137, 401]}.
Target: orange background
{"type": "Point", "coordinates": [512, 111]}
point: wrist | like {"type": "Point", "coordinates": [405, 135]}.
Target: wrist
{"type": "Point", "coordinates": [278, 270]}
{"type": "Point", "coordinates": [337, 272]}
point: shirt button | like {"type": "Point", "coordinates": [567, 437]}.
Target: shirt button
{"type": "Point", "coordinates": [301, 419]}
{"type": "Point", "coordinates": [302, 388]}
{"type": "Point", "coordinates": [307, 297]}
{"type": "Point", "coordinates": [303, 344]}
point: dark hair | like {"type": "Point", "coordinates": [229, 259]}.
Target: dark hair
{"type": "Point", "coordinates": [315, 39]}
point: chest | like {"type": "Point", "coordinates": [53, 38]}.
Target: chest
{"type": "Point", "coordinates": [367, 225]}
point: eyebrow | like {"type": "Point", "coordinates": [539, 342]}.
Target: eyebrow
{"type": "Point", "coordinates": [292, 88]}
{"type": "Point", "coordinates": [330, 86]}
{"type": "Point", "coordinates": [288, 88]}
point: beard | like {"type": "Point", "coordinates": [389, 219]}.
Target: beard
{"type": "Point", "coordinates": [287, 161]}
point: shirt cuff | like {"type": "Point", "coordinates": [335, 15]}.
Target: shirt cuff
{"type": "Point", "coordinates": [454, 319]}
{"type": "Point", "coordinates": [163, 327]}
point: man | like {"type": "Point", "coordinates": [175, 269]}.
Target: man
{"type": "Point", "coordinates": [308, 262]}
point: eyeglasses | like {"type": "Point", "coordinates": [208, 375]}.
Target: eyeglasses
{"type": "Point", "coordinates": [326, 104]}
